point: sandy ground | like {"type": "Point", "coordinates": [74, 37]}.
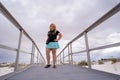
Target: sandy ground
{"type": "Point", "coordinates": [108, 67]}
{"type": "Point", "coordinates": [5, 70]}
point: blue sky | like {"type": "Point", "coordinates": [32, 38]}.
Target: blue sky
{"type": "Point", "coordinates": [71, 18]}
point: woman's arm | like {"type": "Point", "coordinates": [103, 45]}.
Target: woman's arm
{"type": "Point", "coordinates": [47, 40]}
{"type": "Point", "coordinates": [59, 37]}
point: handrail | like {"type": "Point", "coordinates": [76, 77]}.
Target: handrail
{"type": "Point", "coordinates": [8, 15]}
{"type": "Point", "coordinates": [17, 25]}
{"type": "Point", "coordinates": [99, 21]}
{"type": "Point", "coordinates": [98, 48]}
{"type": "Point", "coordinates": [12, 49]}
{"type": "Point", "coordinates": [91, 27]}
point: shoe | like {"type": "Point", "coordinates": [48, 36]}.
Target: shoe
{"type": "Point", "coordinates": [47, 66]}
{"type": "Point", "coordinates": [54, 66]}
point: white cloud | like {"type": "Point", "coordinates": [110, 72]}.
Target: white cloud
{"type": "Point", "coordinates": [23, 3]}
{"type": "Point", "coordinates": [111, 50]}
{"type": "Point", "coordinates": [114, 37]}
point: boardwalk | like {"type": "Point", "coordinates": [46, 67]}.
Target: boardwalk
{"type": "Point", "coordinates": [63, 72]}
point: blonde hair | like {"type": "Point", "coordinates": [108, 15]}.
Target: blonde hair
{"type": "Point", "coordinates": [53, 25]}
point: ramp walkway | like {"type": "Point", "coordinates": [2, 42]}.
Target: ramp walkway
{"type": "Point", "coordinates": [62, 72]}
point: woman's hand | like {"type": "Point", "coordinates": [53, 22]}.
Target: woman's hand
{"type": "Point", "coordinates": [56, 40]}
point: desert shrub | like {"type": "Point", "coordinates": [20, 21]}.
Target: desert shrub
{"type": "Point", "coordinates": [114, 60]}
{"type": "Point", "coordinates": [83, 63]}
{"type": "Point", "coordinates": [4, 65]}
{"type": "Point", "coordinates": [12, 65]}
{"type": "Point", "coordinates": [100, 62]}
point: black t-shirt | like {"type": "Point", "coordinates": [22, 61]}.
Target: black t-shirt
{"type": "Point", "coordinates": [52, 35]}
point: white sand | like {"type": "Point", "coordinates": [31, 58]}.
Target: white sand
{"type": "Point", "coordinates": [5, 70]}
{"type": "Point", "coordinates": [108, 67]}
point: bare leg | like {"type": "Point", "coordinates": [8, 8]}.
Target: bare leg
{"type": "Point", "coordinates": [48, 55]}
{"type": "Point", "coordinates": [54, 56]}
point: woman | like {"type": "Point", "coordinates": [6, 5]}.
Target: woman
{"type": "Point", "coordinates": [52, 44]}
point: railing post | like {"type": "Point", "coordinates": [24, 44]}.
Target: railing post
{"type": "Point", "coordinates": [32, 54]}
{"type": "Point", "coordinates": [68, 54]}
{"type": "Point", "coordinates": [37, 57]}
{"type": "Point", "coordinates": [63, 57]}
{"type": "Point", "coordinates": [18, 51]}
{"type": "Point", "coordinates": [87, 49]}
{"type": "Point", "coordinates": [60, 59]}
{"type": "Point", "coordinates": [71, 53]}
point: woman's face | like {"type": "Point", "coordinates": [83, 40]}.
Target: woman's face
{"type": "Point", "coordinates": [52, 27]}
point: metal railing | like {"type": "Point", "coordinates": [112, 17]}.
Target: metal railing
{"type": "Point", "coordinates": [84, 33]}
{"type": "Point", "coordinates": [22, 32]}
